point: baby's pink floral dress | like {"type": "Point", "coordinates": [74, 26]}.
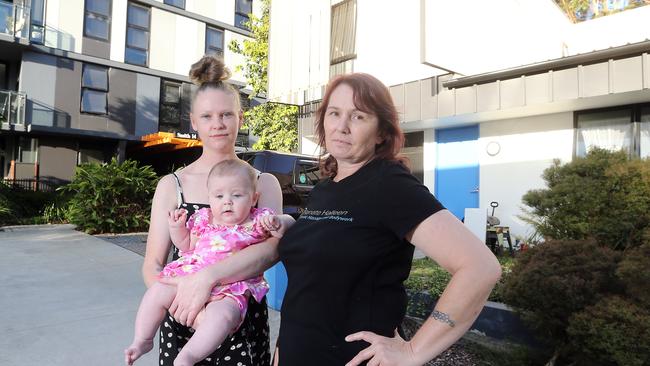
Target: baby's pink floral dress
{"type": "Point", "coordinates": [216, 243]}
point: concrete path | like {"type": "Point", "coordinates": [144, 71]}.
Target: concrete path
{"type": "Point", "coordinates": [67, 298]}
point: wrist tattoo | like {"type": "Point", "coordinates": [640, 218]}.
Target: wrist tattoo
{"type": "Point", "coordinates": [442, 317]}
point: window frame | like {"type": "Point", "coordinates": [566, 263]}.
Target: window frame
{"type": "Point", "coordinates": [179, 104]}
{"type": "Point", "coordinates": [238, 12]}
{"type": "Point", "coordinates": [137, 27]}
{"type": "Point", "coordinates": [635, 121]}
{"type": "Point", "coordinates": [176, 6]}
{"type": "Point", "coordinates": [353, 55]}
{"type": "Point", "coordinates": [40, 24]}
{"type": "Point", "coordinates": [95, 89]}
{"type": "Point", "coordinates": [208, 47]}
{"type": "Point", "coordinates": [108, 20]}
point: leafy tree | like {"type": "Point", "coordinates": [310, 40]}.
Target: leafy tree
{"type": "Point", "coordinates": [276, 124]}
{"type": "Point", "coordinates": [581, 10]}
{"type": "Point", "coordinates": [605, 196]}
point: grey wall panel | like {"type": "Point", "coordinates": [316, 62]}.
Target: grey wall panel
{"type": "Point", "coordinates": [38, 80]}
{"type": "Point", "coordinates": [512, 93]}
{"type": "Point", "coordinates": [565, 84]}
{"type": "Point", "coordinates": [538, 89]}
{"type": "Point", "coordinates": [67, 95]}
{"type": "Point", "coordinates": [466, 100]}
{"type": "Point", "coordinates": [487, 97]}
{"type": "Point", "coordinates": [595, 79]}
{"type": "Point", "coordinates": [57, 158]}
{"type": "Point", "coordinates": [412, 101]}
{"type": "Point", "coordinates": [147, 106]}
{"type": "Point", "coordinates": [93, 47]}
{"type": "Point", "coordinates": [24, 171]}
{"type": "Point", "coordinates": [121, 101]}
{"type": "Point", "coordinates": [628, 74]}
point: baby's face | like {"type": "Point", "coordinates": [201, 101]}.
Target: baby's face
{"type": "Point", "coordinates": [231, 199]}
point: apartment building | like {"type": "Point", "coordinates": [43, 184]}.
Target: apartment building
{"type": "Point", "coordinates": [489, 92]}
{"type": "Point", "coordinates": [86, 80]}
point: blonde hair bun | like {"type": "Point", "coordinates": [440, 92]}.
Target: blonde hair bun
{"type": "Point", "coordinates": [209, 69]}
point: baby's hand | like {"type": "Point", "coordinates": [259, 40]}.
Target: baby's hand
{"type": "Point", "coordinates": [273, 225]}
{"type": "Point", "coordinates": [177, 218]}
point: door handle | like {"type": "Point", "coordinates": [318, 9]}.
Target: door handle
{"type": "Point", "coordinates": [475, 190]}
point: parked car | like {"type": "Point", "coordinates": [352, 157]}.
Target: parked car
{"type": "Point", "coordinates": [297, 175]}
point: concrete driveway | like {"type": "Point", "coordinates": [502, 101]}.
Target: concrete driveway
{"type": "Point", "coordinates": [66, 298]}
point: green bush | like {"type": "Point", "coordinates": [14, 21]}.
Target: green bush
{"type": "Point", "coordinates": [111, 197]}
{"type": "Point", "coordinates": [604, 195]}
{"type": "Point", "coordinates": [427, 276]}
{"type": "Point", "coordinates": [614, 331]}
{"type": "Point", "coordinates": [634, 273]}
{"type": "Point", "coordinates": [553, 280]}
{"type": "Point", "coordinates": [20, 206]}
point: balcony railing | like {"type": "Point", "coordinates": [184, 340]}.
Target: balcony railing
{"type": "Point", "coordinates": [12, 107]}
{"type": "Point", "coordinates": [14, 19]}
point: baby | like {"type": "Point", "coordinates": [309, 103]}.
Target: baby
{"type": "Point", "coordinates": [211, 234]}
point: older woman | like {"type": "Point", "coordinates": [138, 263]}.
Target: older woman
{"type": "Point", "coordinates": [216, 115]}
{"type": "Point", "coordinates": [350, 251]}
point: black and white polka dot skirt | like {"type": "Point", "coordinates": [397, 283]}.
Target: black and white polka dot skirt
{"type": "Point", "coordinates": [249, 346]}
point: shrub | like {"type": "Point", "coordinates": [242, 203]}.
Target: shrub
{"type": "Point", "coordinates": [111, 197]}
{"type": "Point", "coordinates": [634, 272]}
{"type": "Point", "coordinates": [604, 195]}
{"type": "Point", "coordinates": [553, 280]}
{"type": "Point", "coordinates": [19, 206]}
{"type": "Point", "coordinates": [613, 331]}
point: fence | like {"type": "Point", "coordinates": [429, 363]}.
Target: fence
{"type": "Point", "coordinates": [31, 184]}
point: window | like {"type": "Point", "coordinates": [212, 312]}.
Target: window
{"type": "Point", "coordinates": [343, 31]}
{"type": "Point", "coordinates": [94, 89]}
{"type": "Point", "coordinates": [624, 128]}
{"type": "Point", "coordinates": [88, 155]}
{"type": "Point", "coordinates": [213, 41]}
{"type": "Point", "coordinates": [97, 20]}
{"type": "Point", "coordinates": [242, 9]}
{"type": "Point", "coordinates": [644, 133]}
{"type": "Point", "coordinates": [27, 148]}
{"type": "Point", "coordinates": [38, 21]}
{"type": "Point", "coordinates": [137, 35]}
{"type": "Point", "coordinates": [170, 107]}
{"type": "Point", "coordinates": [176, 3]}
{"type": "Point", "coordinates": [343, 35]}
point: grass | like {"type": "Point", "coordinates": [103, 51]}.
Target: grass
{"type": "Point", "coordinates": [427, 276]}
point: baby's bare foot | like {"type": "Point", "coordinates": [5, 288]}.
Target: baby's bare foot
{"type": "Point", "coordinates": [137, 349]}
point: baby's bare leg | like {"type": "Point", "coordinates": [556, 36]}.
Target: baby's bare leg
{"type": "Point", "coordinates": [219, 319]}
{"type": "Point", "coordinates": [151, 312]}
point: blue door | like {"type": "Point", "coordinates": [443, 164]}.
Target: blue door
{"type": "Point", "coordinates": [457, 168]}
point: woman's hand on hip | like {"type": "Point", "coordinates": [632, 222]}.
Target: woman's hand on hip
{"type": "Point", "coordinates": [192, 293]}
{"type": "Point", "coordinates": [383, 351]}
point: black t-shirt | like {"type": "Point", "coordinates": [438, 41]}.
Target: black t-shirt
{"type": "Point", "coordinates": [346, 260]}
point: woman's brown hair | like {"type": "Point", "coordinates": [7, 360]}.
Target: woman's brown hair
{"type": "Point", "coordinates": [210, 72]}
{"type": "Point", "coordinates": [370, 96]}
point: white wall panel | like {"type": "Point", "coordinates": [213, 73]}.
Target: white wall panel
{"type": "Point", "coordinates": [64, 21]}
{"type": "Point", "coordinates": [527, 147]}
{"type": "Point", "coordinates": [223, 11]}
{"type": "Point", "coordinates": [232, 59]}
{"type": "Point", "coordinates": [162, 53]}
{"type": "Point", "coordinates": [190, 44]}
{"type": "Point", "coordinates": [118, 30]}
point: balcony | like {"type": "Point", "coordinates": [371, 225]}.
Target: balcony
{"type": "Point", "coordinates": [12, 110]}
{"type": "Point", "coordinates": [14, 20]}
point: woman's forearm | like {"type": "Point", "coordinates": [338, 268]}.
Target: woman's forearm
{"type": "Point", "coordinates": [246, 263]}
{"type": "Point", "coordinates": [462, 301]}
